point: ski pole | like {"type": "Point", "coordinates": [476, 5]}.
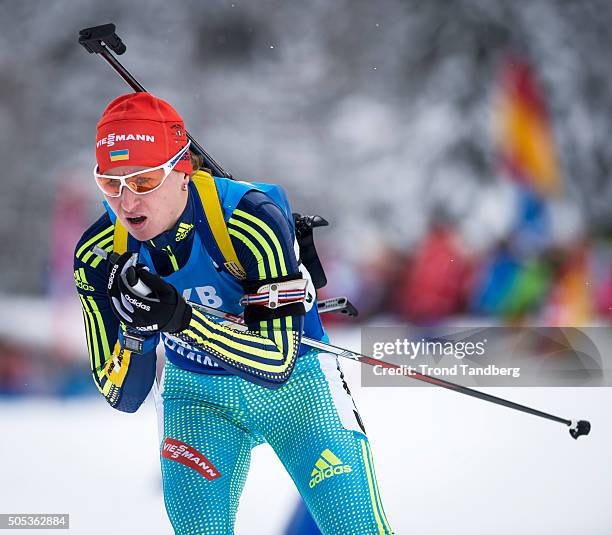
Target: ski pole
{"type": "Point", "coordinates": [98, 40]}
{"type": "Point", "coordinates": [334, 304]}
{"type": "Point", "coordinates": [577, 428]}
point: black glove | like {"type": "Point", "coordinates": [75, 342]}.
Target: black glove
{"type": "Point", "coordinates": [143, 300]}
{"type": "Point", "coordinates": [117, 266]}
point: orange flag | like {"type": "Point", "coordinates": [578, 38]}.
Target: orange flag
{"type": "Point", "coordinates": [523, 130]}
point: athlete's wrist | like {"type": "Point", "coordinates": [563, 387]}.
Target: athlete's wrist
{"type": "Point", "coordinates": [181, 318]}
{"type": "Point", "coordinates": [137, 341]}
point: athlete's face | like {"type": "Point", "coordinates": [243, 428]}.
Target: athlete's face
{"type": "Point", "coordinates": [147, 216]}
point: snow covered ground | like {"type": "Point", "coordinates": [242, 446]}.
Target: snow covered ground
{"type": "Point", "coordinates": [447, 464]}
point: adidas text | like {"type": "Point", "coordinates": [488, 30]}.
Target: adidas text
{"type": "Point", "coordinates": [329, 472]}
{"type": "Point", "coordinates": [84, 286]}
{"type": "Point", "coordinates": [328, 465]}
{"type": "Point", "coordinates": [136, 302]}
{"type": "Point", "coordinates": [111, 277]}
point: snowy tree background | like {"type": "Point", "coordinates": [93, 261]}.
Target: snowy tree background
{"type": "Point", "coordinates": [373, 114]}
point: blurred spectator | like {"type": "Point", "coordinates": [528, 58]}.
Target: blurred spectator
{"type": "Point", "coordinates": [603, 273]}
{"type": "Point", "coordinates": [14, 368]}
{"type": "Point", "coordinates": [509, 287]}
{"type": "Point", "coordinates": [571, 301]}
{"type": "Point", "coordinates": [434, 282]}
{"type": "Point", "coordinates": [68, 220]}
{"type": "Point", "coordinates": [31, 371]}
{"type": "Point", "coordinates": [370, 283]}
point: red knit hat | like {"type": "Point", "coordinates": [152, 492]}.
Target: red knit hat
{"type": "Point", "coordinates": [141, 130]}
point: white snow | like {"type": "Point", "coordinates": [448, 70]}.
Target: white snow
{"type": "Point", "coordinates": [446, 463]}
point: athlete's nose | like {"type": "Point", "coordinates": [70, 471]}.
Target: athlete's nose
{"type": "Point", "coordinates": [129, 200]}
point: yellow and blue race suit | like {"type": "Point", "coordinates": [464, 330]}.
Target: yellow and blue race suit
{"type": "Point", "coordinates": [220, 397]}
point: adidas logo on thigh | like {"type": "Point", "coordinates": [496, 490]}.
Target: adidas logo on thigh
{"type": "Point", "coordinates": [328, 465]}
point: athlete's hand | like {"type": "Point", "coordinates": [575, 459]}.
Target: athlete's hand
{"type": "Point", "coordinates": [155, 307]}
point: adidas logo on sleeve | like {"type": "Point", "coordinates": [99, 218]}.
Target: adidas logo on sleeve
{"type": "Point", "coordinates": [81, 281]}
{"type": "Point", "coordinates": [328, 465]}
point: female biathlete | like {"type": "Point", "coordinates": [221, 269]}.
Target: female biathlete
{"type": "Point", "coordinates": [186, 236]}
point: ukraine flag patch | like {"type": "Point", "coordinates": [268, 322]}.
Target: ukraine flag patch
{"type": "Point", "coordinates": [117, 155]}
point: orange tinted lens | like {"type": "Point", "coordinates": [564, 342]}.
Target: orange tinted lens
{"type": "Point", "coordinates": [110, 186]}
{"type": "Point", "coordinates": [146, 182]}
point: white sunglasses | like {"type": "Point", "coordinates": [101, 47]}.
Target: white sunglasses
{"type": "Point", "coordinates": [140, 182]}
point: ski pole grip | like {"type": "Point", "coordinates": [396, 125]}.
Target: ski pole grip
{"type": "Point", "coordinates": [130, 274]}
{"type": "Point", "coordinates": [137, 284]}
